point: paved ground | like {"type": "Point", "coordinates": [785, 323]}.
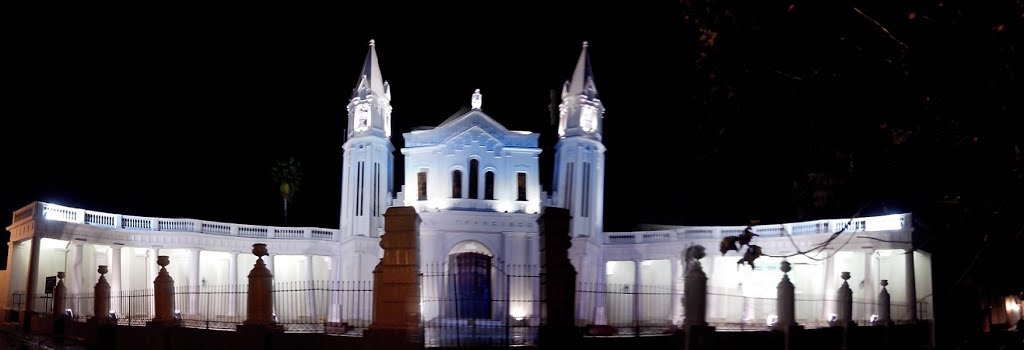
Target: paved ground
{"type": "Point", "coordinates": [12, 338]}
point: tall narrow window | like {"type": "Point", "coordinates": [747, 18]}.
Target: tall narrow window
{"type": "Point", "coordinates": [457, 184]}
{"type": "Point", "coordinates": [489, 185]}
{"type": "Point", "coordinates": [568, 186]}
{"type": "Point", "coordinates": [421, 184]}
{"type": "Point", "coordinates": [360, 179]}
{"type": "Point", "coordinates": [474, 178]}
{"type": "Point", "coordinates": [376, 190]}
{"type": "Point", "coordinates": [587, 189]}
{"type": "Point", "coordinates": [521, 186]}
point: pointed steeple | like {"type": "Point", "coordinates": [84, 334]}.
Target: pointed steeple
{"type": "Point", "coordinates": [370, 77]}
{"type": "Point", "coordinates": [582, 81]}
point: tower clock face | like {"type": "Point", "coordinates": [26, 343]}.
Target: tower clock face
{"type": "Point", "coordinates": [362, 117]}
{"type": "Point", "coordinates": [588, 118]}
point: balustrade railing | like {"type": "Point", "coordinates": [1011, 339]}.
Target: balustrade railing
{"type": "Point", "coordinates": [866, 224]}
{"type": "Point", "coordinates": [55, 212]}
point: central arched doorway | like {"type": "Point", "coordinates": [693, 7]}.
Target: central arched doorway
{"type": "Point", "coordinates": [469, 281]}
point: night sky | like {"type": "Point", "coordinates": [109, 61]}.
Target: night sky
{"type": "Point", "coordinates": [717, 112]}
{"type": "Point", "coordinates": [182, 113]}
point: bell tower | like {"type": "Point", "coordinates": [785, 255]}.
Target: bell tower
{"type": "Point", "coordinates": [366, 188]}
{"type": "Point", "coordinates": [579, 154]}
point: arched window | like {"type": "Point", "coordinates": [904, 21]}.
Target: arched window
{"type": "Point", "coordinates": [457, 184]}
{"type": "Point", "coordinates": [489, 185]}
{"type": "Point", "coordinates": [474, 178]}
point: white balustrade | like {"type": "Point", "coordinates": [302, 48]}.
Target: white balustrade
{"type": "Point", "coordinates": [142, 223]}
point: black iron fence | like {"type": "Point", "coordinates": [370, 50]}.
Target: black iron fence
{"type": "Point", "coordinates": [629, 309]}
{"type": "Point", "coordinates": [330, 307]}
{"type": "Point", "coordinates": [471, 302]}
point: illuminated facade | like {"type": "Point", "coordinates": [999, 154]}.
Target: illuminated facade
{"type": "Point", "coordinates": [477, 188]}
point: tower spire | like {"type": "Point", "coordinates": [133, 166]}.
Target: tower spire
{"type": "Point", "coordinates": [370, 77]}
{"type": "Point", "coordinates": [582, 81]}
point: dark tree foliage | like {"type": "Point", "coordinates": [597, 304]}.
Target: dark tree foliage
{"type": "Point", "coordinates": [909, 106]}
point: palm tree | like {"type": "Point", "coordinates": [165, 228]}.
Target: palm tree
{"type": "Point", "coordinates": [288, 176]}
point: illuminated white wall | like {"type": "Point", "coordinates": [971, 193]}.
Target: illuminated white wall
{"type": "Point", "coordinates": [451, 146]}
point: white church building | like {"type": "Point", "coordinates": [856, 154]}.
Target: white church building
{"type": "Point", "coordinates": [477, 189]}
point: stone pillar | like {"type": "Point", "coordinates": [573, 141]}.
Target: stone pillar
{"type": "Point", "coordinates": [785, 302]}
{"type": "Point", "coordinates": [152, 270]}
{"type": "Point", "coordinates": [883, 305]}
{"type": "Point", "coordinates": [335, 314]}
{"type": "Point", "coordinates": [260, 300]}
{"type": "Point", "coordinates": [30, 284]}
{"type": "Point", "coordinates": [163, 294]}
{"type": "Point", "coordinates": [76, 267]}
{"type": "Point", "coordinates": [828, 299]}
{"type": "Point", "coordinates": [115, 277]}
{"type": "Point", "coordinates": [396, 283]}
{"type": "Point", "coordinates": [310, 294]}
{"type": "Point", "coordinates": [637, 289]}
{"type": "Point", "coordinates": [785, 306]}
{"type": "Point", "coordinates": [695, 290]}
{"type": "Point", "coordinates": [697, 334]}
{"type": "Point", "coordinates": [844, 303]}
{"type": "Point", "coordinates": [101, 300]}
{"type": "Point", "coordinates": [557, 280]}
{"type": "Point", "coordinates": [59, 293]}
{"type": "Point", "coordinates": [911, 287]}
{"type": "Point", "coordinates": [869, 284]}
{"type": "Point", "coordinates": [674, 289]}
{"type": "Point", "coordinates": [193, 281]}
{"type": "Point", "coordinates": [233, 283]}
{"type": "Point", "coordinates": [77, 276]}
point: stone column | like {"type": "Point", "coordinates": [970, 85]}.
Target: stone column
{"type": "Point", "coordinates": [396, 283]}
{"type": "Point", "coordinates": [77, 276]}
{"type": "Point", "coordinates": [335, 313]}
{"type": "Point", "coordinates": [828, 300]}
{"type": "Point", "coordinates": [785, 305]}
{"type": "Point", "coordinates": [115, 277]}
{"type": "Point", "coordinates": [163, 294]}
{"type": "Point", "coordinates": [101, 300]}
{"type": "Point", "coordinates": [152, 269]}
{"type": "Point", "coordinates": [310, 294]}
{"type": "Point", "coordinates": [695, 289]}
{"type": "Point", "coordinates": [193, 281]}
{"type": "Point", "coordinates": [674, 289]}
{"type": "Point", "coordinates": [557, 280]}
{"type": "Point", "coordinates": [883, 305]}
{"type": "Point", "coordinates": [232, 283]}
{"type": "Point", "coordinates": [30, 284]}
{"type": "Point", "coordinates": [911, 287]}
{"type": "Point", "coordinates": [844, 302]}
{"type": "Point", "coordinates": [637, 297]}
{"type": "Point", "coordinates": [59, 293]}
{"type": "Point", "coordinates": [697, 334]}
{"type": "Point", "coordinates": [260, 300]}
{"type": "Point", "coordinates": [869, 284]}
{"type": "Point", "coordinates": [785, 302]}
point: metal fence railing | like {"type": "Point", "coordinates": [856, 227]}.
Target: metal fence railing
{"type": "Point", "coordinates": [472, 302]}
{"type": "Point", "coordinates": [631, 309]}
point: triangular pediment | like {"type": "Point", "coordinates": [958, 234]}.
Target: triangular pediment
{"type": "Point", "coordinates": [474, 124]}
